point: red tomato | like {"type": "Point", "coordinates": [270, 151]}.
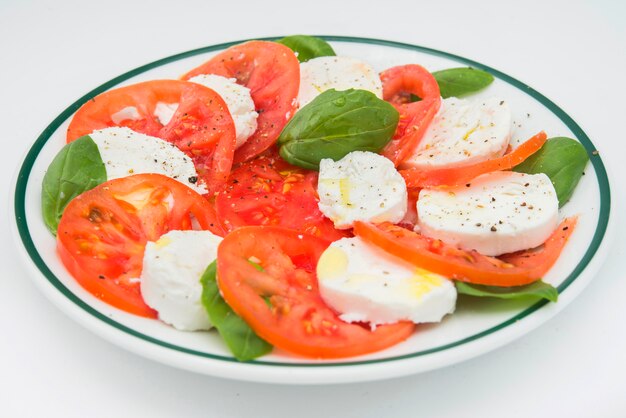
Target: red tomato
{"type": "Point", "coordinates": [272, 73]}
{"type": "Point", "coordinates": [457, 176]}
{"type": "Point", "coordinates": [398, 84]}
{"type": "Point", "coordinates": [269, 191]}
{"type": "Point", "coordinates": [282, 304]}
{"type": "Point", "coordinates": [468, 266]}
{"type": "Point", "coordinates": [201, 126]}
{"type": "Point", "coordinates": [103, 233]}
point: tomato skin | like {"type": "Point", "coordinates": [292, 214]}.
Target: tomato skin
{"type": "Point", "coordinates": [457, 176]}
{"type": "Point", "coordinates": [103, 232]}
{"type": "Point", "coordinates": [398, 83]}
{"type": "Point", "coordinates": [272, 73]}
{"type": "Point", "coordinates": [298, 320]}
{"type": "Point", "coordinates": [469, 266]}
{"type": "Point", "coordinates": [201, 126]}
{"type": "Point", "coordinates": [269, 191]}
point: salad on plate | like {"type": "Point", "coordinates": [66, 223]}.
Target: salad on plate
{"type": "Point", "coordinates": [292, 198]}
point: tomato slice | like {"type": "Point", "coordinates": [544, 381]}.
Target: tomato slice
{"type": "Point", "coordinates": [269, 191]}
{"type": "Point", "coordinates": [469, 266]}
{"type": "Point", "coordinates": [103, 233]}
{"type": "Point", "coordinates": [201, 125]}
{"type": "Point", "coordinates": [398, 84]}
{"type": "Point", "coordinates": [457, 176]}
{"type": "Point", "coordinates": [282, 304]}
{"type": "Point", "coordinates": [272, 73]}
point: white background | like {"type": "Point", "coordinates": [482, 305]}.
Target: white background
{"type": "Point", "coordinates": [52, 52]}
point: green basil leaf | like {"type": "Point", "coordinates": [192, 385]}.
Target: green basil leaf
{"type": "Point", "coordinates": [336, 123]}
{"type": "Point", "coordinates": [77, 168]}
{"type": "Point", "coordinates": [458, 82]}
{"type": "Point", "coordinates": [537, 289]}
{"type": "Point", "coordinates": [563, 160]}
{"type": "Point", "coordinates": [239, 337]}
{"type": "Point", "coordinates": [307, 47]}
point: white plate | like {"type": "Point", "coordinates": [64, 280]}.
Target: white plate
{"type": "Point", "coordinates": [478, 326]}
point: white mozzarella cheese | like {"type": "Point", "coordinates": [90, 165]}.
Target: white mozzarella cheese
{"type": "Point", "coordinates": [126, 152]}
{"type": "Point", "coordinates": [340, 73]}
{"type": "Point", "coordinates": [463, 132]}
{"type": "Point", "coordinates": [365, 284]}
{"type": "Point", "coordinates": [239, 102]}
{"type": "Point", "coordinates": [497, 213]}
{"type": "Point", "coordinates": [361, 186]}
{"type": "Point", "coordinates": [170, 279]}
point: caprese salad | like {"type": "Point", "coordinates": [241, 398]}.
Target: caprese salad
{"type": "Point", "coordinates": [290, 197]}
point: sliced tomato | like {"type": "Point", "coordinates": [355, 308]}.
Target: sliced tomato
{"type": "Point", "coordinates": [269, 191]}
{"type": "Point", "coordinates": [468, 266]}
{"type": "Point", "coordinates": [103, 233]}
{"type": "Point", "coordinates": [272, 73]}
{"type": "Point", "coordinates": [201, 126]}
{"type": "Point", "coordinates": [457, 176]}
{"type": "Point", "coordinates": [282, 303]}
{"type": "Point", "coordinates": [398, 85]}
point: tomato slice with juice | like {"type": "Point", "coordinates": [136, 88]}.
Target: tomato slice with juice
{"type": "Point", "coordinates": [272, 73]}
{"type": "Point", "coordinates": [398, 84]}
{"type": "Point", "coordinates": [269, 191]}
{"type": "Point", "coordinates": [201, 126]}
{"type": "Point", "coordinates": [469, 266]}
{"type": "Point", "coordinates": [103, 233]}
{"type": "Point", "coordinates": [282, 303]}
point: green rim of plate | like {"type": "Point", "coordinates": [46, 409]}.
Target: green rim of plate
{"type": "Point", "coordinates": [27, 165]}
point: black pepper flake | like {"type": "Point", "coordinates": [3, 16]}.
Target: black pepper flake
{"type": "Point", "coordinates": [468, 185]}
{"type": "Point", "coordinates": [565, 228]}
{"type": "Point", "coordinates": [502, 102]}
{"type": "Point", "coordinates": [493, 199]}
{"type": "Point", "coordinates": [523, 204]}
{"type": "Point", "coordinates": [479, 224]}
{"type": "Point", "coordinates": [193, 179]}
{"type": "Point", "coordinates": [101, 277]}
{"type": "Point", "coordinates": [527, 184]}
{"type": "Point", "coordinates": [493, 229]}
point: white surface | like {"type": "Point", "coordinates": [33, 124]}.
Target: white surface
{"type": "Point", "coordinates": [572, 366]}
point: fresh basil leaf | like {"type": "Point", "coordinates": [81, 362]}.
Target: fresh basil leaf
{"type": "Point", "coordinates": [563, 160]}
{"type": "Point", "coordinates": [336, 123]}
{"type": "Point", "coordinates": [537, 289]}
{"type": "Point", "coordinates": [307, 47]}
{"type": "Point", "coordinates": [77, 168]}
{"type": "Point", "coordinates": [239, 337]}
{"type": "Point", "coordinates": [458, 82]}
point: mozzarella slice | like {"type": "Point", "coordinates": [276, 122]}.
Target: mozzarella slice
{"type": "Point", "coordinates": [126, 152]}
{"type": "Point", "coordinates": [340, 73]}
{"type": "Point", "coordinates": [361, 186]}
{"type": "Point", "coordinates": [463, 132]}
{"type": "Point", "coordinates": [239, 102]}
{"type": "Point", "coordinates": [170, 280]}
{"type": "Point", "coordinates": [497, 213]}
{"type": "Point", "coordinates": [366, 284]}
